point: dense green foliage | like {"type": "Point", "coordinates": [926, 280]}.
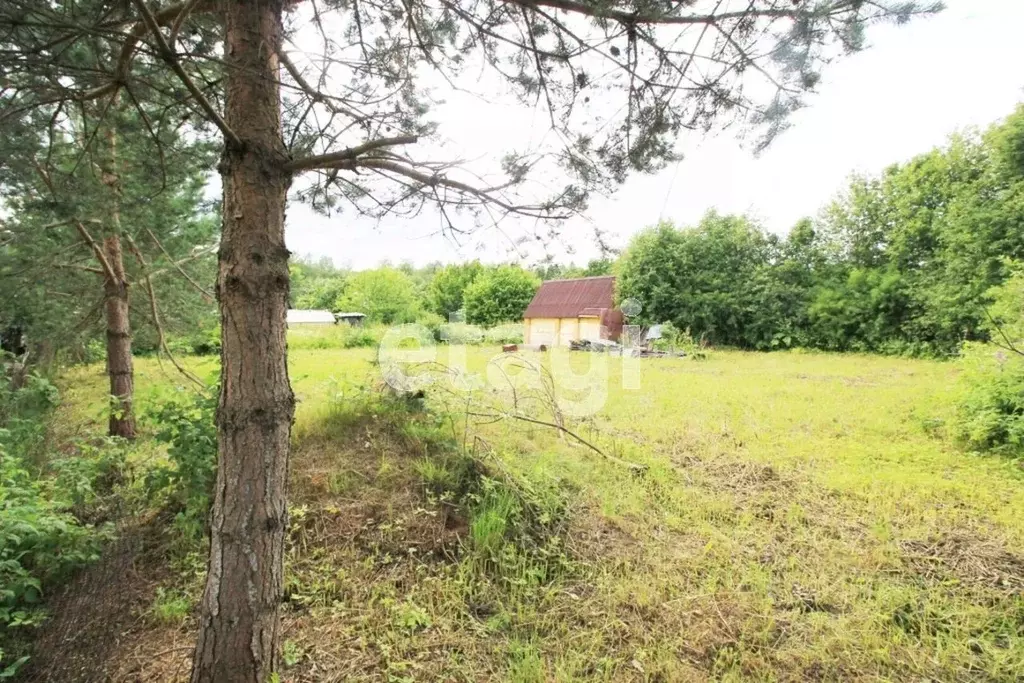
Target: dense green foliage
{"type": "Point", "coordinates": [189, 429]}
{"type": "Point", "coordinates": [385, 295]}
{"type": "Point", "coordinates": [448, 287]}
{"type": "Point", "coordinates": [431, 295]}
{"type": "Point", "coordinates": [44, 496]}
{"type": "Point", "coordinates": [991, 409]}
{"type": "Point", "coordinates": [558, 271]}
{"type": "Point", "coordinates": [316, 285]}
{"type": "Point", "coordinates": [51, 282]}
{"type": "Point", "coordinates": [706, 279]}
{"type": "Point", "coordinates": [500, 295]}
{"type": "Point", "coordinates": [901, 263]}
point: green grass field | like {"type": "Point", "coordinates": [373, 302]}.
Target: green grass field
{"type": "Point", "coordinates": [801, 517]}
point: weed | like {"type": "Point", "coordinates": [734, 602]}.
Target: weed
{"type": "Point", "coordinates": [411, 617]}
{"type": "Point", "coordinates": [291, 653]}
{"type": "Point", "coordinates": [171, 607]}
{"type": "Point", "coordinates": [525, 664]}
{"type": "Point", "coordinates": [41, 540]}
{"type": "Point", "coordinates": [188, 428]}
{"type": "Point", "coordinates": [991, 404]}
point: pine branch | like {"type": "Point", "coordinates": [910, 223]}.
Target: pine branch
{"type": "Point", "coordinates": [171, 58]}
{"type": "Point", "coordinates": [138, 31]}
{"type": "Point", "coordinates": [177, 265]}
{"type": "Point", "coordinates": [352, 153]}
{"type": "Point", "coordinates": [155, 313]}
{"type": "Point", "coordinates": [108, 271]}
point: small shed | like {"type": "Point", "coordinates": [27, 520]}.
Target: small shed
{"type": "Point", "coordinates": [564, 311]}
{"type": "Point", "coordinates": [353, 319]}
{"type": "Point", "coordinates": [298, 317]}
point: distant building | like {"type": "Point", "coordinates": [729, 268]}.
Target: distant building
{"type": "Point", "coordinates": [353, 319]}
{"type": "Point", "coordinates": [302, 318]}
{"type": "Point", "coordinates": [563, 311]}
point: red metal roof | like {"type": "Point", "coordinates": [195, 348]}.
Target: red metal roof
{"type": "Point", "coordinates": [573, 298]}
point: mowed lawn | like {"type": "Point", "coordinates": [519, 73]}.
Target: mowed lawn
{"type": "Point", "coordinates": [802, 517]}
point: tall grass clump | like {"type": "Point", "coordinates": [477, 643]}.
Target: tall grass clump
{"type": "Point", "coordinates": [508, 333]}
{"type": "Point", "coordinates": [515, 527]}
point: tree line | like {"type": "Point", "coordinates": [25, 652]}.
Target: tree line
{"type": "Point", "coordinates": [480, 294]}
{"type": "Point", "coordinates": [902, 262]}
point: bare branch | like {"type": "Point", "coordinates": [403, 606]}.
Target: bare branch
{"type": "Point", "coordinates": [632, 466]}
{"type": "Point", "coordinates": [437, 179]}
{"type": "Point", "coordinates": [76, 266]}
{"type": "Point", "coordinates": [1009, 345]}
{"type": "Point", "coordinates": [331, 159]}
{"type": "Point", "coordinates": [635, 17]}
{"type": "Point", "coordinates": [314, 94]}
{"type": "Point", "coordinates": [177, 265]}
{"type": "Point", "coordinates": [155, 312]}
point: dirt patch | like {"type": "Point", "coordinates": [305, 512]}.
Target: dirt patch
{"type": "Point", "coordinates": [97, 616]}
{"type": "Point", "coordinates": [594, 537]}
{"type": "Point", "coordinates": [967, 559]}
{"type": "Point", "coordinates": [363, 493]}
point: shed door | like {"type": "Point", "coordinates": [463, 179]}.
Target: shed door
{"type": "Point", "coordinates": [590, 328]}
{"type": "Point", "coordinates": [569, 331]}
{"type": "Point", "coordinates": [542, 331]}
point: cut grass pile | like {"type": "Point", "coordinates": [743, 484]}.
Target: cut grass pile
{"type": "Point", "coordinates": [801, 517]}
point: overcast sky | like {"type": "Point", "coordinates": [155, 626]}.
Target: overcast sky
{"type": "Point", "coordinates": [914, 86]}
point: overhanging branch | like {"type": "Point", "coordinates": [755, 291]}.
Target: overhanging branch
{"type": "Point", "coordinates": [437, 180]}
{"type": "Point", "coordinates": [350, 154]}
{"type": "Point", "coordinates": [172, 13]}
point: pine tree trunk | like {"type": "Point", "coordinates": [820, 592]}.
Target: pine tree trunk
{"type": "Point", "coordinates": [119, 343]}
{"type": "Point", "coordinates": [115, 295]}
{"type": "Point", "coordinates": [239, 621]}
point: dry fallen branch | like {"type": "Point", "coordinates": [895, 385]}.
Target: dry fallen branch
{"type": "Point", "coordinates": [634, 467]}
{"type": "Point", "coordinates": [472, 405]}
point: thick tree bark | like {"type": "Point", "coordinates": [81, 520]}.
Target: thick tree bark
{"type": "Point", "coordinates": [119, 343]}
{"type": "Point", "coordinates": [239, 621]}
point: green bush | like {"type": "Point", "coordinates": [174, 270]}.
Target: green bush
{"type": "Point", "coordinates": [41, 541]}
{"type": "Point", "coordinates": [362, 337]}
{"type": "Point", "coordinates": [991, 406]}
{"type": "Point", "coordinates": [461, 333]}
{"type": "Point", "coordinates": [189, 429]}
{"type": "Point", "coordinates": [499, 295]}
{"type": "Point", "coordinates": [434, 324]}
